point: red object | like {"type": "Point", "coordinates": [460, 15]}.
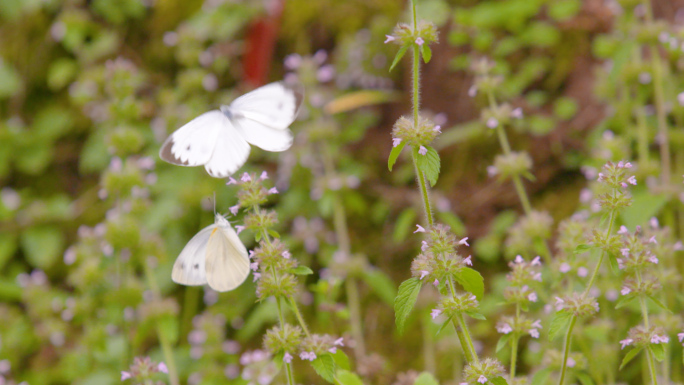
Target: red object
{"type": "Point", "coordinates": [261, 39]}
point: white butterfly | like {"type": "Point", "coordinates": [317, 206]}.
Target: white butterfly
{"type": "Point", "coordinates": [215, 256]}
{"type": "Point", "coordinates": [220, 139]}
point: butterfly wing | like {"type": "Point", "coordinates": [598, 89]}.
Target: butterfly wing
{"type": "Point", "coordinates": [189, 268]}
{"type": "Point", "coordinates": [263, 116]}
{"type": "Point", "coordinates": [227, 261]}
{"type": "Point", "coordinates": [230, 152]}
{"type": "Point", "coordinates": [194, 143]}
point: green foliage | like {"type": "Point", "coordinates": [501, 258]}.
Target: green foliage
{"type": "Point", "coordinates": [429, 164]}
{"type": "Point", "coordinates": [405, 300]}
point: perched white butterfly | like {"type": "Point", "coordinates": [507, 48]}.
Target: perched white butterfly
{"type": "Point", "coordinates": [215, 256]}
{"type": "Point", "coordinates": [220, 139]}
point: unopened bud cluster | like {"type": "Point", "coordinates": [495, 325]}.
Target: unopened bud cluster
{"type": "Point", "coordinates": [482, 372]}
{"type": "Point", "coordinates": [616, 178]}
{"type": "Point", "coordinates": [422, 135]}
{"type": "Point", "coordinates": [458, 303]}
{"type": "Point", "coordinates": [252, 191]}
{"type": "Point", "coordinates": [287, 338]}
{"type": "Point", "coordinates": [500, 115]}
{"type": "Point", "coordinates": [511, 164]}
{"type": "Point", "coordinates": [403, 34]}
{"type": "Point", "coordinates": [577, 304]}
{"type": "Point", "coordinates": [528, 230]}
{"type": "Point", "coordinates": [519, 325]}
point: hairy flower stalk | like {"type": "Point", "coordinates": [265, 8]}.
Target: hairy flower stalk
{"type": "Point", "coordinates": [616, 179]}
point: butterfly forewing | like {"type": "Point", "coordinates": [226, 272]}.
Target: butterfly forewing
{"type": "Point", "coordinates": [230, 152]}
{"type": "Point", "coordinates": [275, 105]}
{"type": "Point", "coordinates": [227, 260]}
{"type": "Point", "coordinates": [190, 268]}
{"type": "Point", "coordinates": [193, 144]}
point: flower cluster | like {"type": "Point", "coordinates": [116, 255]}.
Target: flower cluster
{"type": "Point", "coordinates": [404, 35]}
{"type": "Point", "coordinates": [144, 370]}
{"type": "Point", "coordinates": [418, 136]}
{"type": "Point", "coordinates": [641, 336]}
{"type": "Point", "coordinates": [615, 179]}
{"type": "Point", "coordinates": [507, 165]}
{"type": "Point", "coordinates": [482, 372]}
{"type": "Point", "coordinates": [439, 259]}
{"type": "Point", "coordinates": [577, 304]}
{"type": "Point", "coordinates": [519, 325]}
{"type": "Point", "coordinates": [458, 303]}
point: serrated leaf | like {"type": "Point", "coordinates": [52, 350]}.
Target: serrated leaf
{"type": "Point", "coordinates": [498, 381]}
{"type": "Point", "coordinates": [503, 341]}
{"type": "Point", "coordinates": [403, 303]}
{"type": "Point", "coordinates": [657, 302]}
{"type": "Point", "coordinates": [447, 322]}
{"type": "Point", "coordinates": [476, 315]}
{"type": "Point", "coordinates": [341, 359]}
{"type": "Point", "coordinates": [426, 378]}
{"type": "Point", "coordinates": [426, 52]}
{"type": "Point", "coordinates": [629, 356]}
{"type": "Point", "coordinates": [658, 351]}
{"type": "Point", "coordinates": [301, 270]}
{"type": "Point", "coordinates": [394, 155]}
{"type": "Point", "coordinates": [274, 234]}
{"type": "Point", "coordinates": [324, 365]}
{"type": "Point", "coordinates": [471, 280]}
{"type": "Point", "coordinates": [559, 324]}
{"type": "Point", "coordinates": [381, 284]}
{"type": "Point", "coordinates": [625, 300]}
{"type": "Point", "coordinates": [345, 377]}
{"type": "Point", "coordinates": [541, 377]}
{"type": "Point", "coordinates": [400, 54]}
{"type": "Point", "coordinates": [429, 164]}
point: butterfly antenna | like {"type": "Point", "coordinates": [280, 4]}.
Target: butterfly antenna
{"type": "Point", "coordinates": [214, 203]}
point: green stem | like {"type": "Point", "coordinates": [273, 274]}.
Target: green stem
{"type": "Point", "coordinates": [424, 192]}
{"type": "Point", "coordinates": [167, 350]}
{"type": "Point", "coordinates": [281, 320]}
{"type": "Point", "coordinates": [295, 308]}
{"type": "Point", "coordinates": [466, 335]}
{"type": "Point", "coordinates": [603, 253]}
{"type": "Point", "coordinates": [566, 349]}
{"type": "Point", "coordinates": [651, 367]}
{"type": "Point", "coordinates": [416, 69]}
{"type": "Point", "coordinates": [355, 317]}
{"type": "Point", "coordinates": [514, 355]}
{"type": "Point", "coordinates": [462, 331]}
{"type": "Point", "coordinates": [429, 361]}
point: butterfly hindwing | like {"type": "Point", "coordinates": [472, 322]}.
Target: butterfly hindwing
{"type": "Point", "coordinates": [227, 261]}
{"type": "Point", "coordinates": [274, 105]}
{"type": "Point", "coordinates": [230, 152]}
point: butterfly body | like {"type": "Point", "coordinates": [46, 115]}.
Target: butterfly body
{"type": "Point", "coordinates": [215, 256]}
{"type": "Point", "coordinates": [220, 139]}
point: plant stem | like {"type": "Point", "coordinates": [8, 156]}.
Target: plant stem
{"type": "Point", "coordinates": [514, 355]}
{"type": "Point", "coordinates": [651, 367]}
{"type": "Point", "coordinates": [295, 308]}
{"type": "Point", "coordinates": [167, 350]}
{"type": "Point", "coordinates": [281, 320]}
{"type": "Point", "coordinates": [424, 192]}
{"type": "Point", "coordinates": [603, 253]}
{"type": "Point", "coordinates": [566, 349]}
{"type": "Point", "coordinates": [429, 361]}
{"type": "Point", "coordinates": [462, 331]}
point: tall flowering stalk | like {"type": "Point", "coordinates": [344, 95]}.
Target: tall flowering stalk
{"type": "Point", "coordinates": [439, 264]}
{"type": "Point", "coordinates": [275, 272]}
{"type": "Point", "coordinates": [615, 180]}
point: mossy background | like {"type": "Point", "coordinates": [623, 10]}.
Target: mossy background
{"type": "Point", "coordinates": [88, 89]}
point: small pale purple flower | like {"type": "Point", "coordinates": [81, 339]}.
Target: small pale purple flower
{"type": "Point", "coordinates": [286, 254]}
{"type": "Point", "coordinates": [162, 368]}
{"type": "Point", "coordinates": [390, 38]}
{"type": "Point", "coordinates": [420, 41]}
{"type": "Point", "coordinates": [287, 358]}
{"type": "Point", "coordinates": [518, 259]}
{"type": "Point", "coordinates": [582, 272]}
{"type": "Point", "coordinates": [492, 123]}
{"type": "Point", "coordinates": [482, 379]}
{"type": "Point", "coordinates": [424, 246]}
{"type": "Point", "coordinates": [653, 240]}
{"type": "Point", "coordinates": [468, 261]}
{"type": "Point", "coordinates": [472, 91]}
{"type": "Point", "coordinates": [623, 230]}
{"type": "Point", "coordinates": [624, 252]}
{"type": "Point", "coordinates": [239, 228]}
{"type": "Point", "coordinates": [536, 261]}
{"type": "Point", "coordinates": [264, 176]}
{"type": "Point", "coordinates": [435, 313]}
{"type": "Point", "coordinates": [257, 276]}
{"type": "Point", "coordinates": [532, 297]}
{"type": "Point", "coordinates": [537, 277]}
{"type": "Point", "coordinates": [464, 241]}
{"type": "Point", "coordinates": [601, 177]}
{"type": "Point", "coordinates": [537, 324]}
{"type": "Point", "coordinates": [254, 266]}
{"type": "Point", "coordinates": [534, 333]}
{"type": "Point", "coordinates": [632, 180]}
{"type": "Point", "coordinates": [396, 142]}
{"type": "Point", "coordinates": [234, 209]}
{"type": "Point", "coordinates": [517, 113]}
{"type": "Point", "coordinates": [625, 290]}
{"type": "Point", "coordinates": [435, 282]}
{"type": "Point", "coordinates": [333, 350]}
{"type": "Point", "coordinates": [560, 303]}
{"type": "Point", "coordinates": [246, 178]}
{"type": "Point", "coordinates": [680, 336]}
{"type": "Point", "coordinates": [231, 181]}
{"type": "Point", "coordinates": [422, 150]}
{"type": "Point", "coordinates": [308, 356]}
{"type": "Point", "coordinates": [339, 342]}
{"type": "Point", "coordinates": [419, 229]}
{"type": "Point", "coordinates": [492, 170]}
{"type": "Point", "coordinates": [653, 259]}
{"type": "Point", "coordinates": [125, 376]}
{"type": "Point", "coordinates": [423, 273]}
{"type": "Point", "coordinates": [437, 129]}
{"type": "Point", "coordinates": [272, 190]}
{"type": "Point", "coordinates": [504, 328]}
{"type": "Point", "coordinates": [626, 342]}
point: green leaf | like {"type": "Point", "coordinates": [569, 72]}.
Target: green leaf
{"type": "Point", "coordinates": [559, 324]}
{"type": "Point", "coordinates": [406, 298]}
{"type": "Point", "coordinates": [498, 381]}
{"type": "Point", "coordinates": [644, 206]}
{"type": "Point", "coordinates": [584, 378]}
{"type": "Point", "coordinates": [614, 265]}
{"type": "Point", "coordinates": [503, 341]}
{"type": "Point", "coordinates": [345, 377]}
{"type": "Point", "coordinates": [429, 164]}
{"type": "Point", "coordinates": [324, 365]}
{"type": "Point", "coordinates": [341, 359]}
{"type": "Point", "coordinates": [404, 224]}
{"type": "Point", "coordinates": [629, 356]}
{"type": "Point", "coordinates": [394, 155]}
{"type": "Point", "coordinates": [400, 54]}
{"type": "Point", "coordinates": [658, 351]}
{"type": "Point", "coordinates": [582, 248]}
{"type": "Point", "coordinates": [447, 322]}
{"type": "Point", "coordinates": [301, 270]}
{"type": "Point", "coordinates": [426, 53]}
{"type": "Point", "coordinates": [381, 284]}
{"type": "Point", "coordinates": [657, 302]}
{"type": "Point", "coordinates": [471, 280]}
{"type": "Point", "coordinates": [274, 234]}
{"type": "Point", "coordinates": [168, 327]}
{"type": "Point", "coordinates": [42, 245]}
{"type": "Point", "coordinates": [426, 378]}
{"type": "Point", "coordinates": [476, 315]}
{"type": "Point", "coordinates": [541, 377]}
{"type": "Point", "coordinates": [625, 300]}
